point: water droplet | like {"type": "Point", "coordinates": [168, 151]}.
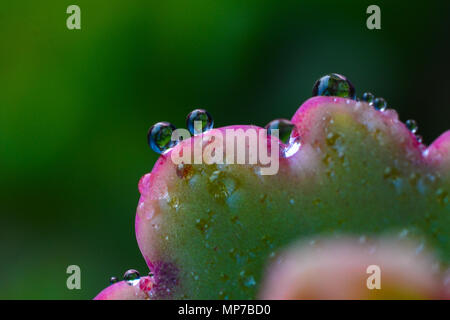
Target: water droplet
{"type": "Point", "coordinates": [267, 241]}
{"type": "Point", "coordinates": [249, 282]}
{"type": "Point", "coordinates": [234, 254]}
{"type": "Point", "coordinates": [221, 185]}
{"type": "Point", "coordinates": [202, 225]}
{"type": "Point", "coordinates": [195, 276]}
{"type": "Point", "coordinates": [131, 276]}
{"type": "Point", "coordinates": [223, 295]}
{"type": "Point", "coordinates": [379, 104]}
{"type": "Point", "coordinates": [174, 203]}
{"type": "Point", "coordinates": [334, 85]}
{"type": "Point", "coordinates": [159, 137]}
{"type": "Point", "coordinates": [419, 248]}
{"type": "Point", "coordinates": [287, 133]}
{"type": "Point", "coordinates": [368, 97]}
{"type": "Point", "coordinates": [199, 121]}
{"type": "Point", "coordinates": [391, 173]}
{"type": "Point", "coordinates": [419, 138]}
{"type": "Point", "coordinates": [113, 280]}
{"type": "Point", "coordinates": [431, 178]}
{"type": "Point", "coordinates": [284, 127]}
{"type": "Point", "coordinates": [412, 125]}
{"type": "Point", "coordinates": [331, 138]}
{"type": "Point", "coordinates": [403, 234]}
{"type": "Point", "coordinates": [292, 148]}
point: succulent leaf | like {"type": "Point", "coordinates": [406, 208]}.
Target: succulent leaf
{"type": "Point", "coordinates": [207, 230]}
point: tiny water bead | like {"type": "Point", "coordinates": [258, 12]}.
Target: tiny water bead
{"type": "Point", "coordinates": [159, 137]}
{"type": "Point", "coordinates": [368, 97]}
{"type": "Point", "coordinates": [131, 276]}
{"type": "Point", "coordinates": [379, 104]}
{"type": "Point", "coordinates": [113, 280]}
{"type": "Point", "coordinates": [334, 85]}
{"type": "Point", "coordinates": [249, 282]}
{"type": "Point", "coordinates": [419, 138]}
{"type": "Point", "coordinates": [412, 125]}
{"type": "Point", "coordinates": [199, 121]}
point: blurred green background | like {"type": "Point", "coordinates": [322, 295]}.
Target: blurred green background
{"type": "Point", "coordinates": [75, 106]}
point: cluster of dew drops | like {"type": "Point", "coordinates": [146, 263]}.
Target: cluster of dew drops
{"type": "Point", "coordinates": [160, 140]}
{"type": "Point", "coordinates": [337, 85]}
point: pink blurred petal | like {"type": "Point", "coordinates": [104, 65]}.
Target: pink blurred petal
{"type": "Point", "coordinates": [337, 269]}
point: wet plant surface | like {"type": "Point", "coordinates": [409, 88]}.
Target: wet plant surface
{"type": "Point", "coordinates": [206, 231]}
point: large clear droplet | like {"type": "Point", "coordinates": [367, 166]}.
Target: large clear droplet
{"type": "Point", "coordinates": [412, 125]}
{"type": "Point", "coordinates": [287, 133]}
{"type": "Point", "coordinates": [284, 127]}
{"type": "Point", "coordinates": [131, 276]}
{"type": "Point", "coordinates": [199, 121]}
{"type": "Point", "coordinates": [159, 137]}
{"type": "Point", "coordinates": [334, 85]}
